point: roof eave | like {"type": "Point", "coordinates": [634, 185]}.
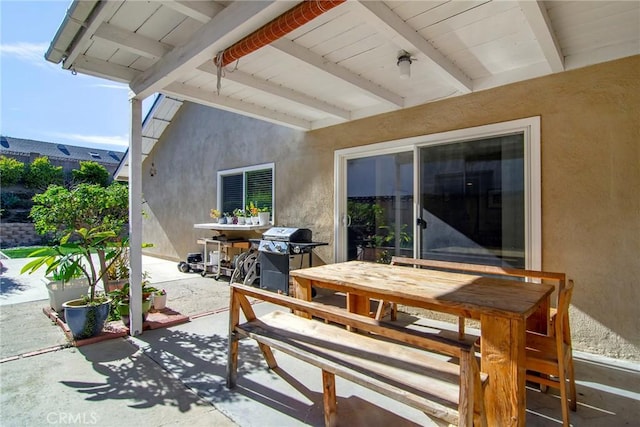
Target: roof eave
{"type": "Point", "coordinates": [70, 29]}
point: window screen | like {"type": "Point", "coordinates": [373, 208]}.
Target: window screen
{"type": "Point", "coordinates": [232, 193]}
{"type": "Point", "coordinates": [242, 186]}
{"type": "Point", "coordinates": [259, 186]}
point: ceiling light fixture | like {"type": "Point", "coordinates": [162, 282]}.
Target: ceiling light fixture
{"type": "Point", "coordinates": [404, 64]}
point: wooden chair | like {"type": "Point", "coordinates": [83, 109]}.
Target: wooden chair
{"type": "Point", "coordinates": [551, 356]}
{"type": "Point", "coordinates": [559, 280]}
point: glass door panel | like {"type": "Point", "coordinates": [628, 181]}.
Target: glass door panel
{"type": "Point", "coordinates": [472, 199]}
{"type": "Point", "coordinates": [380, 207]}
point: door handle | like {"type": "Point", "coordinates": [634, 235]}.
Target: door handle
{"type": "Point", "coordinates": [422, 223]}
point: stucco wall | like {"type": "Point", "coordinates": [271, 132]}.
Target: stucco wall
{"type": "Point", "coordinates": [590, 121]}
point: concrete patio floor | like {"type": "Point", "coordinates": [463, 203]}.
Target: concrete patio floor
{"type": "Point", "coordinates": [175, 376]}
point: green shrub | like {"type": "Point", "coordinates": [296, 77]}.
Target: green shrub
{"type": "Point", "coordinates": [91, 172]}
{"type": "Point", "coordinates": [41, 173]}
{"type": "Point", "coordinates": [11, 171]}
{"type": "Point", "coordinates": [59, 210]}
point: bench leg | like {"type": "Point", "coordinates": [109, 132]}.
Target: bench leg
{"type": "Point", "coordinates": [329, 399]}
{"type": "Point", "coordinates": [232, 360]}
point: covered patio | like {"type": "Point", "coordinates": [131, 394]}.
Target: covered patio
{"type": "Point", "coordinates": [360, 74]}
{"type": "Point", "coordinates": [177, 374]}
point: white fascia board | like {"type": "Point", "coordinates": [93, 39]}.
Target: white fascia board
{"type": "Point", "coordinates": [104, 10]}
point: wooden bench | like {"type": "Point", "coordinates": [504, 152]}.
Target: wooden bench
{"type": "Point", "coordinates": [559, 280]}
{"type": "Point", "coordinates": [388, 359]}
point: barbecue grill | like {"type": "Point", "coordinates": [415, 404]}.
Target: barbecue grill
{"type": "Point", "coordinates": [277, 247]}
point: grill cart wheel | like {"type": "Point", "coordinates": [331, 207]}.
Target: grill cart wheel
{"type": "Point", "coordinates": [183, 267]}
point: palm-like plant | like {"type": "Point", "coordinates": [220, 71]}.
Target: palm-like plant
{"type": "Point", "coordinates": [74, 255]}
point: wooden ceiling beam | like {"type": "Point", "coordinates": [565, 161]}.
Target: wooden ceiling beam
{"type": "Point", "coordinates": [104, 69]}
{"type": "Point", "coordinates": [305, 55]}
{"type": "Point", "coordinates": [384, 19]}
{"type": "Point", "coordinates": [278, 90]}
{"type": "Point", "coordinates": [202, 11]}
{"type": "Point", "coordinates": [132, 42]}
{"type": "Point", "coordinates": [536, 15]}
{"type": "Point", "coordinates": [231, 24]}
{"type": "Point", "coordinates": [103, 12]}
{"type": "Point", "coordinates": [197, 95]}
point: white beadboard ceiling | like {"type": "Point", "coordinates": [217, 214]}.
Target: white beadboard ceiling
{"type": "Point", "coordinates": [342, 65]}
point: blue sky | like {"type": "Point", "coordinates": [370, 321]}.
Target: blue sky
{"type": "Point", "coordinates": [40, 100]}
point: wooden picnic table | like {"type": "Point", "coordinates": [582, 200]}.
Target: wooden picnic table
{"type": "Point", "coordinates": [501, 305]}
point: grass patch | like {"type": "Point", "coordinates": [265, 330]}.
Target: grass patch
{"type": "Point", "coordinates": [21, 252]}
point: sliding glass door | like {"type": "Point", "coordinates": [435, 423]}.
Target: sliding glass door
{"type": "Point", "coordinates": [471, 195]}
{"type": "Point", "coordinates": [472, 201]}
{"type": "Point", "coordinates": [380, 207]}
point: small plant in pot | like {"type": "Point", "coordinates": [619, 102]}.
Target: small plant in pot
{"type": "Point", "coordinates": [84, 316]}
{"type": "Point", "coordinates": [240, 215]}
{"type": "Point", "coordinates": [160, 300]}
{"type": "Point", "coordinates": [253, 212]}
{"type": "Point", "coordinates": [214, 214]}
{"type": "Point", "coordinates": [118, 270]}
{"type": "Point", "coordinates": [120, 298]}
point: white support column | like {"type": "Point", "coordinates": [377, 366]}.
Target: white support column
{"type": "Point", "coordinates": [135, 218]}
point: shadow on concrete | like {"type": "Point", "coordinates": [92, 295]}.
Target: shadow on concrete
{"type": "Point", "coordinates": [200, 364]}
{"type": "Point", "coordinates": [9, 285]}
{"type": "Point", "coordinates": [129, 375]}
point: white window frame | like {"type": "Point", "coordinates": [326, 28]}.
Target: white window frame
{"type": "Point", "coordinates": [530, 127]}
{"type": "Point", "coordinates": [243, 171]}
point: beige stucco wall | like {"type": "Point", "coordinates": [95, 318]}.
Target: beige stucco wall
{"type": "Point", "coordinates": [590, 125]}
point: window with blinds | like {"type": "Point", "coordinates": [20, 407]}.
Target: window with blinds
{"type": "Point", "coordinates": [239, 187]}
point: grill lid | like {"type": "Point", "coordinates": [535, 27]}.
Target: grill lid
{"type": "Point", "coordinates": [288, 234]}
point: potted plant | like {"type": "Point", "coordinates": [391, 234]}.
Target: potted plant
{"type": "Point", "coordinates": [253, 211]}
{"type": "Point", "coordinates": [121, 299]}
{"type": "Point", "coordinates": [61, 290]}
{"type": "Point", "coordinates": [118, 270]}
{"type": "Point", "coordinates": [239, 213]}
{"type": "Point", "coordinates": [263, 216]}
{"type": "Point", "coordinates": [85, 316]}
{"type": "Point", "coordinates": [214, 214]}
{"type": "Point", "coordinates": [160, 299]}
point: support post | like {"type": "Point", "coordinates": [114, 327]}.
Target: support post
{"type": "Point", "coordinates": [135, 218]}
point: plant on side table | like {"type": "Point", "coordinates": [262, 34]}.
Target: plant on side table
{"type": "Point", "coordinates": [214, 214]}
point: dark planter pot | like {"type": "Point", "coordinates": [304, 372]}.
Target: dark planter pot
{"type": "Point", "coordinates": [85, 321]}
{"type": "Point", "coordinates": [123, 309]}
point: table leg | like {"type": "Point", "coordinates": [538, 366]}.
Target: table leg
{"type": "Point", "coordinates": [301, 289]}
{"type": "Point", "coordinates": [539, 320]}
{"type": "Point", "coordinates": [358, 304]}
{"type": "Point", "coordinates": [503, 359]}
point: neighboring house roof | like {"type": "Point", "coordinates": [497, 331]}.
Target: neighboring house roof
{"type": "Point", "coordinates": [155, 122]}
{"type": "Point", "coordinates": [19, 146]}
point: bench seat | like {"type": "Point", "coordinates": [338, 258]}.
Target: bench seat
{"type": "Point", "coordinates": [429, 382]}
